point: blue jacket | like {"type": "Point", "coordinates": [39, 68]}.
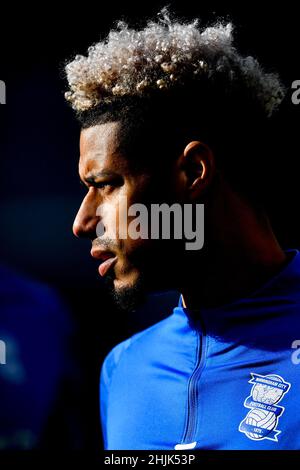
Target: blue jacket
{"type": "Point", "coordinates": [223, 378]}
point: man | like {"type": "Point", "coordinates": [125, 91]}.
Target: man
{"type": "Point", "coordinates": [173, 114]}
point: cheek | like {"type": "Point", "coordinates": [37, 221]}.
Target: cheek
{"type": "Point", "coordinates": [134, 255]}
{"type": "Point", "coordinates": [122, 217]}
{"type": "Point", "coordinates": [107, 226]}
{"type": "Point", "coordinates": [140, 246]}
{"type": "Point", "coordinates": [113, 216]}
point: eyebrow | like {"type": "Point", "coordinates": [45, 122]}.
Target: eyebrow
{"type": "Point", "coordinates": [93, 176]}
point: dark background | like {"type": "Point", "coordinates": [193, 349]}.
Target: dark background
{"type": "Point", "coordinates": [39, 184]}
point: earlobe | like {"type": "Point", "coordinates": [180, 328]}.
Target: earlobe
{"type": "Point", "coordinates": [200, 166]}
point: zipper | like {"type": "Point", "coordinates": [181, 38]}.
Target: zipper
{"type": "Point", "coordinates": [192, 413]}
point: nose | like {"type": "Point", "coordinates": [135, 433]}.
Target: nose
{"type": "Point", "coordinates": [86, 220]}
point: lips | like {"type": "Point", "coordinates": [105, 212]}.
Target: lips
{"type": "Point", "coordinates": [106, 265]}
{"type": "Point", "coordinates": [107, 258]}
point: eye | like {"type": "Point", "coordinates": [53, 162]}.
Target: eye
{"type": "Point", "coordinates": [92, 182]}
{"type": "Point", "coordinates": [103, 184]}
{"type": "Point", "coordinates": [108, 184]}
{"type": "Point", "coordinates": [99, 185]}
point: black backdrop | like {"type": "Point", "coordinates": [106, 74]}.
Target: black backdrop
{"type": "Point", "coordinates": [39, 184]}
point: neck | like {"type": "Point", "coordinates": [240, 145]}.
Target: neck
{"type": "Point", "coordinates": [241, 254]}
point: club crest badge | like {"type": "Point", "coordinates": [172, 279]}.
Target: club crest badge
{"type": "Point", "coordinates": [262, 419]}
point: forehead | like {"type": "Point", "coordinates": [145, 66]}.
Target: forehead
{"type": "Point", "coordinates": [99, 147]}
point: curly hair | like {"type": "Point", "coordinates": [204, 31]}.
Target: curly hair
{"type": "Point", "coordinates": [165, 54]}
{"type": "Point", "coordinates": [173, 82]}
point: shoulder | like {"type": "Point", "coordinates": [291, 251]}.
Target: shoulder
{"type": "Point", "coordinates": [138, 341]}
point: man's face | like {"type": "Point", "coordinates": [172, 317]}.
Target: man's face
{"type": "Point", "coordinates": [129, 264]}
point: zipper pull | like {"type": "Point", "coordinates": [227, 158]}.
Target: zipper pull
{"type": "Point", "coordinates": [192, 445]}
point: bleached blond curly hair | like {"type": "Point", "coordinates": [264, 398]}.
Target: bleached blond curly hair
{"type": "Point", "coordinates": [165, 53]}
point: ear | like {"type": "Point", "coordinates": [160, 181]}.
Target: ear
{"type": "Point", "coordinates": [198, 164]}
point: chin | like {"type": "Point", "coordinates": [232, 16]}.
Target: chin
{"type": "Point", "coordinates": [127, 293]}
{"type": "Point", "coordinates": [129, 298]}
{"type": "Point", "coordinates": [126, 278]}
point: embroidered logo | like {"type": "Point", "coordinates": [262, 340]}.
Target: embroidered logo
{"type": "Point", "coordinates": [262, 419]}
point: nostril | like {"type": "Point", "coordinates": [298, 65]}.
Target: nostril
{"type": "Point", "coordinates": [85, 227]}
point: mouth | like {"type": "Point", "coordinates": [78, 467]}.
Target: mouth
{"type": "Point", "coordinates": [106, 265]}
{"type": "Point", "coordinates": [107, 258]}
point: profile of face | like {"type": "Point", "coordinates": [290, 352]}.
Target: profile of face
{"type": "Point", "coordinates": [131, 266]}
